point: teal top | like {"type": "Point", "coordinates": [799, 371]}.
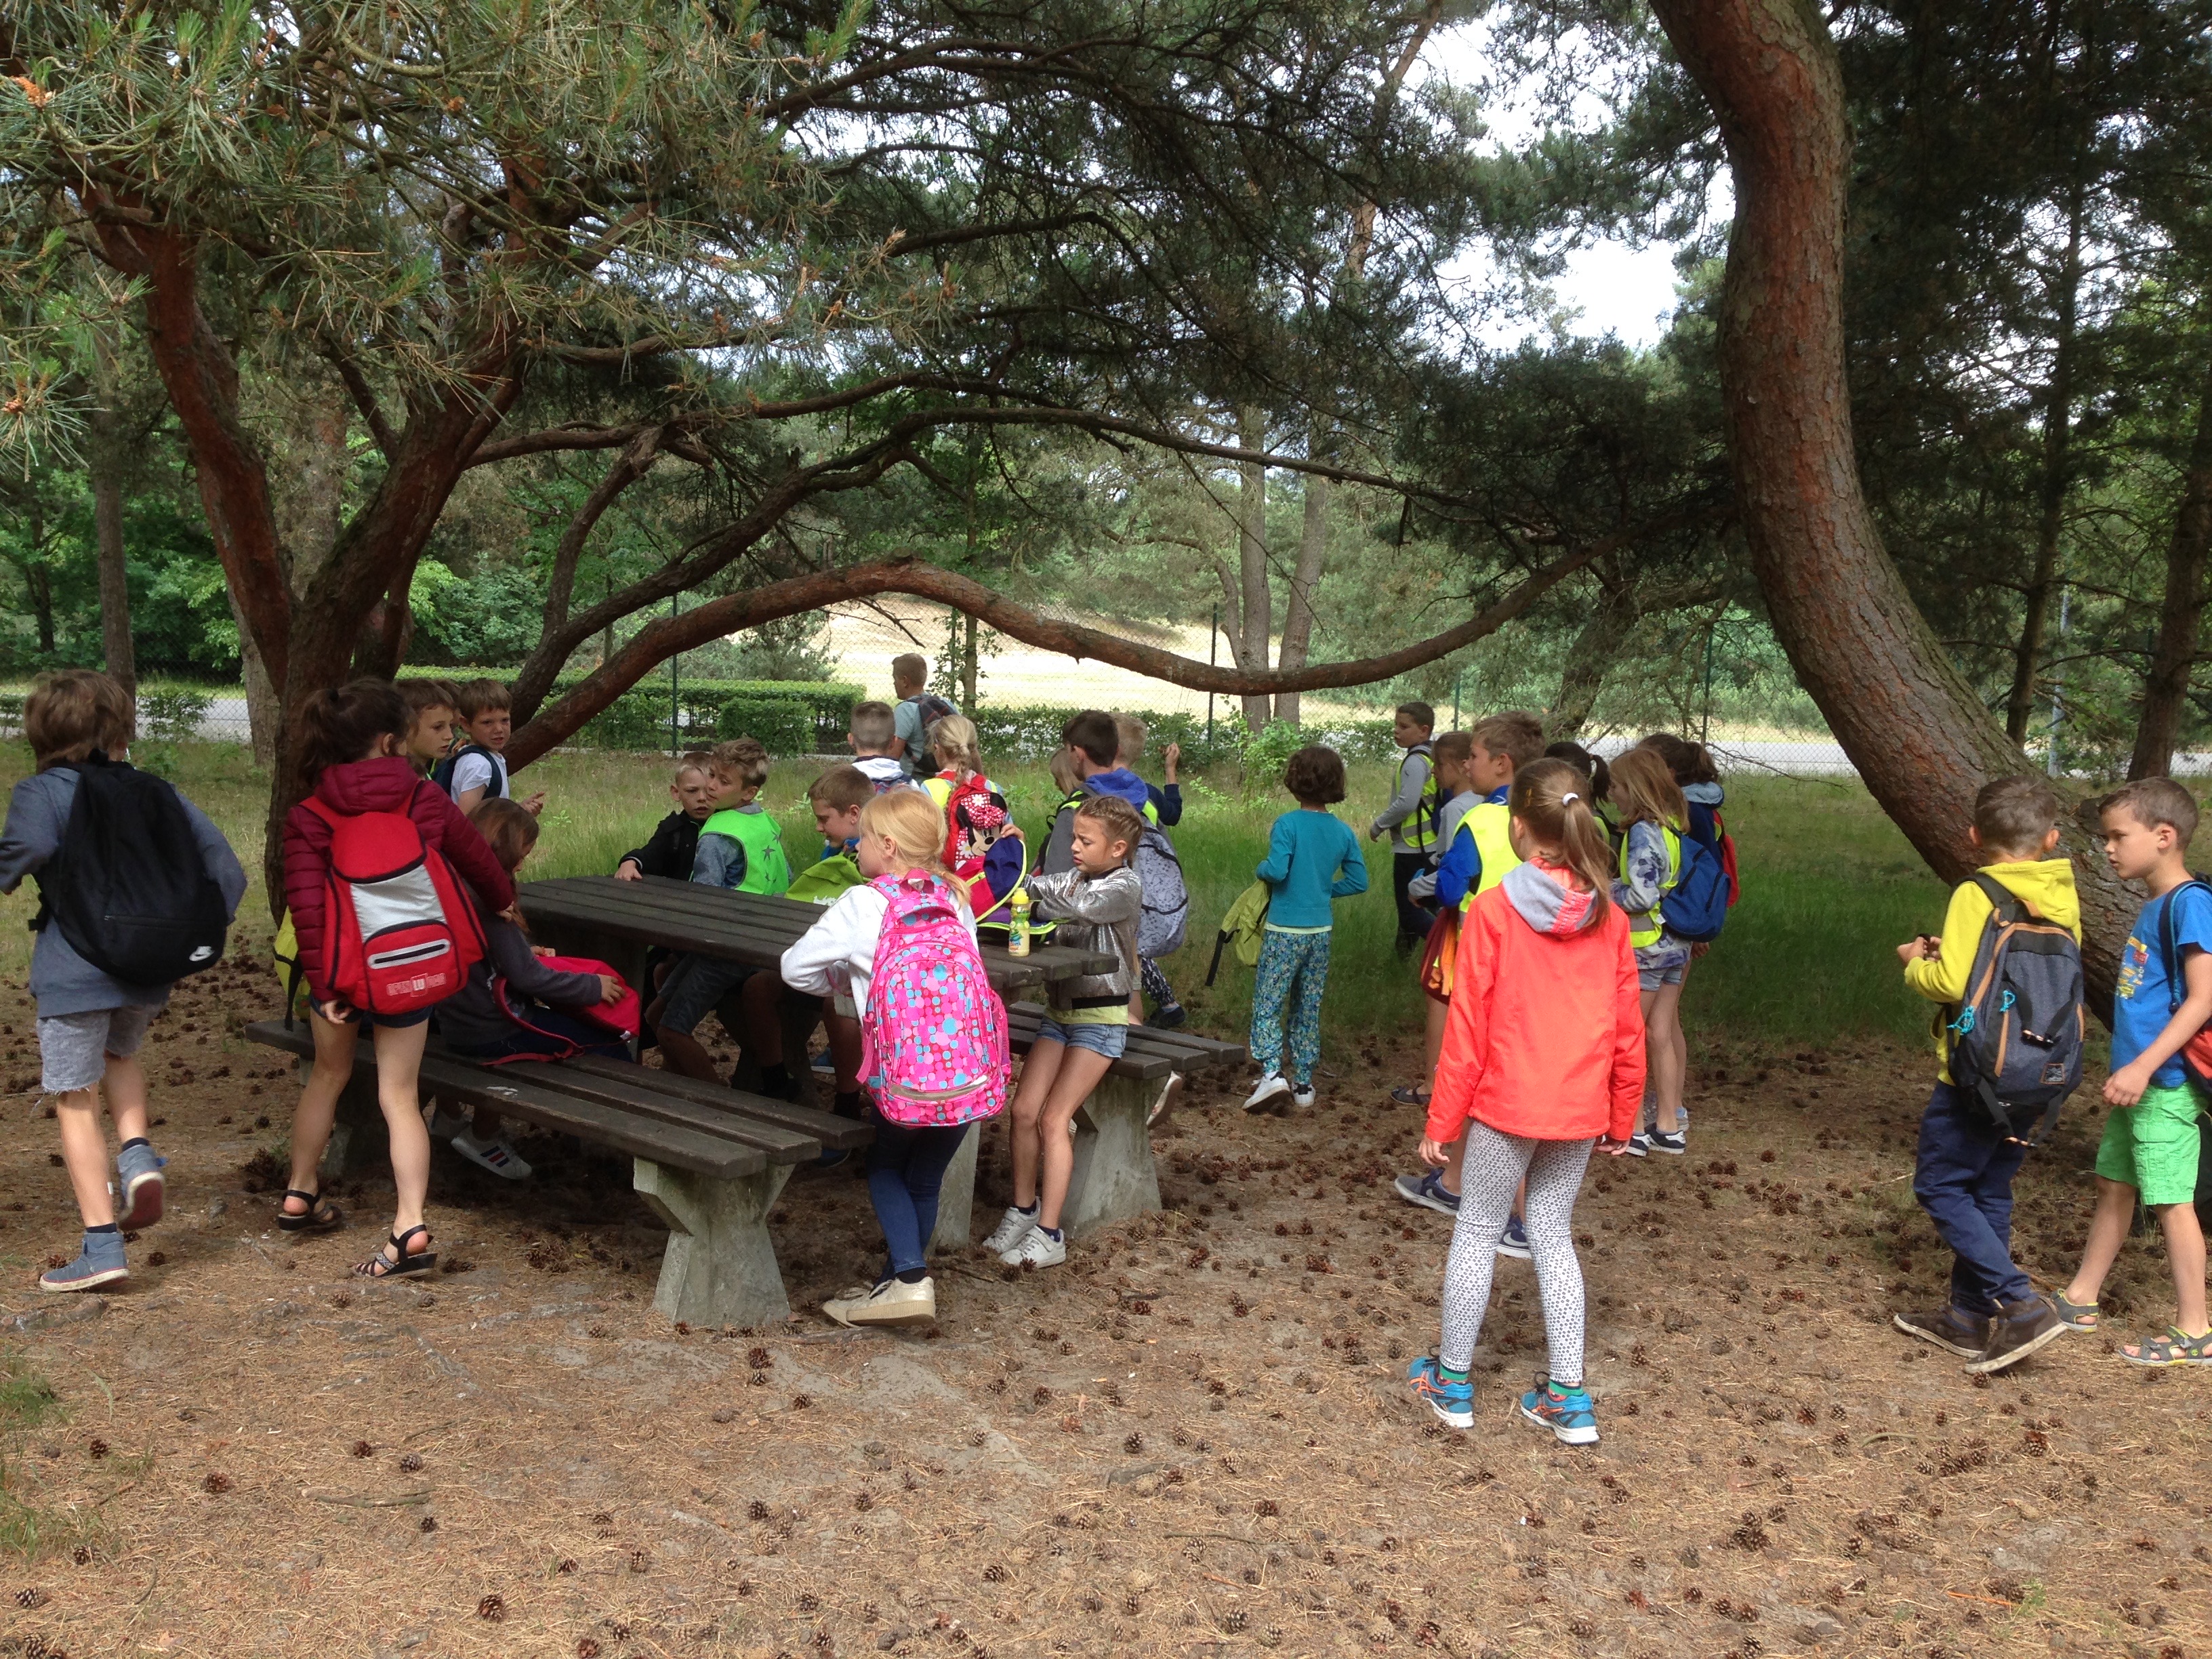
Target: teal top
{"type": "Point", "coordinates": [1312, 857]}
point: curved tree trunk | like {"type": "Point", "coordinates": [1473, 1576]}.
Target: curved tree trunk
{"type": "Point", "coordinates": [1911, 724]}
{"type": "Point", "coordinates": [2173, 654]}
{"type": "Point", "coordinates": [1255, 607]}
{"type": "Point", "coordinates": [1299, 619]}
{"type": "Point", "coordinates": [1603, 632]}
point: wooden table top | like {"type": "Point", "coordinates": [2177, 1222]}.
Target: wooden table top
{"type": "Point", "coordinates": [755, 928]}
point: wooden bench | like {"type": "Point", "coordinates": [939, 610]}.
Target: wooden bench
{"type": "Point", "coordinates": [1115, 1177]}
{"type": "Point", "coordinates": [710, 1161]}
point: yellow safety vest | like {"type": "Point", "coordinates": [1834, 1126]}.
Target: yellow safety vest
{"type": "Point", "coordinates": [1645, 927]}
{"type": "Point", "coordinates": [1420, 828]}
{"type": "Point", "coordinates": [1492, 825]}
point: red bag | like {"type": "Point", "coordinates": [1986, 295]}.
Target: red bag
{"type": "Point", "coordinates": [619, 1018]}
{"type": "Point", "coordinates": [399, 933]}
{"type": "Point", "coordinates": [1727, 861]}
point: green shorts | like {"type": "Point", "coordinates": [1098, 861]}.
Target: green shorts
{"type": "Point", "coordinates": [2152, 1146]}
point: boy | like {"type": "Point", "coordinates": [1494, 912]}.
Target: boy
{"type": "Point", "coordinates": [1964, 1172]}
{"type": "Point", "coordinates": [90, 1026]}
{"type": "Point", "coordinates": [1452, 752]}
{"type": "Point", "coordinates": [478, 768]}
{"type": "Point", "coordinates": [919, 708]}
{"type": "Point", "coordinates": [1093, 743]}
{"type": "Point", "coordinates": [836, 797]}
{"type": "Point", "coordinates": [433, 704]}
{"type": "Point", "coordinates": [1411, 817]}
{"type": "Point", "coordinates": [675, 843]}
{"type": "Point", "coordinates": [1162, 810]}
{"type": "Point", "coordinates": [873, 734]}
{"type": "Point", "coordinates": [2163, 999]}
{"type": "Point", "coordinates": [1476, 860]}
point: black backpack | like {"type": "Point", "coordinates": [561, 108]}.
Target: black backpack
{"type": "Point", "coordinates": [2017, 1035]}
{"type": "Point", "coordinates": [128, 888]}
{"type": "Point", "coordinates": [932, 709]}
{"type": "Point", "coordinates": [442, 774]}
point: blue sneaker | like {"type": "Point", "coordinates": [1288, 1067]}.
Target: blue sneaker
{"type": "Point", "coordinates": [1566, 1412]}
{"type": "Point", "coordinates": [99, 1262]}
{"type": "Point", "coordinates": [138, 1176]}
{"type": "Point", "coordinates": [1452, 1401]}
{"type": "Point", "coordinates": [1427, 1189]}
{"type": "Point", "coordinates": [1514, 1241]}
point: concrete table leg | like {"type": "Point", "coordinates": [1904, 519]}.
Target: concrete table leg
{"type": "Point", "coordinates": [1115, 1177]}
{"type": "Point", "coordinates": [956, 1199]}
{"type": "Point", "coordinates": [719, 1266]}
{"type": "Point", "coordinates": [358, 1136]}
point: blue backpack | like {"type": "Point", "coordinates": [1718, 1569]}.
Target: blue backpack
{"type": "Point", "coordinates": [1696, 907]}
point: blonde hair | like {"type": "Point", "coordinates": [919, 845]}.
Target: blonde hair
{"type": "Point", "coordinates": [954, 739]}
{"type": "Point", "coordinates": [697, 760]}
{"type": "Point", "coordinates": [843, 788]}
{"type": "Point", "coordinates": [1061, 765]}
{"type": "Point", "coordinates": [1643, 788]}
{"type": "Point", "coordinates": [873, 725]}
{"type": "Point", "coordinates": [909, 669]}
{"type": "Point", "coordinates": [1121, 821]}
{"type": "Point", "coordinates": [915, 824]}
{"type": "Point", "coordinates": [1132, 733]}
{"type": "Point", "coordinates": [75, 714]}
{"type": "Point", "coordinates": [1516, 733]}
{"type": "Point", "coordinates": [1552, 799]}
{"type": "Point", "coordinates": [743, 758]}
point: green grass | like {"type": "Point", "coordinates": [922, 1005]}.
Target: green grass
{"type": "Point", "coordinates": [26, 1528]}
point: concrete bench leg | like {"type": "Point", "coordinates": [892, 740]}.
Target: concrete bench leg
{"type": "Point", "coordinates": [956, 1199]}
{"type": "Point", "coordinates": [1115, 1177]}
{"type": "Point", "coordinates": [719, 1266]}
{"type": "Point", "coordinates": [359, 1138]}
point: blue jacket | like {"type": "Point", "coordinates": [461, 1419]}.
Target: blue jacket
{"type": "Point", "coordinates": [1462, 868]}
{"type": "Point", "coordinates": [1312, 857]}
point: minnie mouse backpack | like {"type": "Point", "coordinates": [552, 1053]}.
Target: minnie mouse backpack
{"type": "Point", "coordinates": [935, 1034]}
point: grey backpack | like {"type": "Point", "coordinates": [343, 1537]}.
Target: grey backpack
{"type": "Point", "coordinates": [2016, 1037]}
{"type": "Point", "coordinates": [1165, 918]}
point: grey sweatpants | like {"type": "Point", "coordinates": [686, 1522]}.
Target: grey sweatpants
{"type": "Point", "coordinates": [1494, 1167]}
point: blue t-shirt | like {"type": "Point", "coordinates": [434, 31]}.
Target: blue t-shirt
{"type": "Point", "coordinates": [2142, 1001]}
{"type": "Point", "coordinates": [1312, 857]}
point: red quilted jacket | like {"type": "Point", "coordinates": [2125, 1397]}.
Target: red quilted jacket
{"type": "Point", "coordinates": [389, 785]}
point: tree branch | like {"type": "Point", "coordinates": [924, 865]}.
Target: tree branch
{"type": "Point", "coordinates": [364, 399]}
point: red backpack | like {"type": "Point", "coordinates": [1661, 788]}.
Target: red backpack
{"type": "Point", "coordinates": [399, 933]}
{"type": "Point", "coordinates": [1728, 859]}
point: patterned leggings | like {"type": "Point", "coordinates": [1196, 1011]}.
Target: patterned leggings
{"type": "Point", "coordinates": [1287, 1001]}
{"type": "Point", "coordinates": [1495, 1165]}
{"type": "Point", "coordinates": [1156, 984]}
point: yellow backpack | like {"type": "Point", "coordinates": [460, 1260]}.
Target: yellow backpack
{"type": "Point", "coordinates": [291, 978]}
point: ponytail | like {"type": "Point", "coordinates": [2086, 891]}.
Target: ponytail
{"type": "Point", "coordinates": [1553, 799]}
{"type": "Point", "coordinates": [342, 723]}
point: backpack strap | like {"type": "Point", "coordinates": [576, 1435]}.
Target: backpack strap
{"type": "Point", "coordinates": [2169, 948]}
{"type": "Point", "coordinates": [2009, 907]}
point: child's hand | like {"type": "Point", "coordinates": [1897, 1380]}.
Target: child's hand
{"type": "Point", "coordinates": [541, 950]}
{"type": "Point", "coordinates": [1914, 949]}
{"type": "Point", "coordinates": [535, 804]}
{"type": "Point", "coordinates": [612, 989]}
{"type": "Point", "coordinates": [1611, 1147]}
{"type": "Point", "coordinates": [2126, 1086]}
{"type": "Point", "coordinates": [1014, 830]}
{"type": "Point", "coordinates": [1435, 1156]}
{"type": "Point", "coordinates": [1173, 756]}
{"type": "Point", "coordinates": [338, 1011]}
{"type": "Point", "coordinates": [628, 871]}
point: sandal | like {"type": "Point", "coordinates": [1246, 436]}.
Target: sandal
{"type": "Point", "coordinates": [2075, 1316]}
{"type": "Point", "coordinates": [2176, 1348]}
{"type": "Point", "coordinates": [321, 1216]}
{"type": "Point", "coordinates": [381, 1266]}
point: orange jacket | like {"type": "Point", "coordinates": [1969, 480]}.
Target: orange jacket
{"type": "Point", "coordinates": [1545, 1037]}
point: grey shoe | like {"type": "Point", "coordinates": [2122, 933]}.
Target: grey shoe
{"type": "Point", "coordinates": [99, 1262]}
{"type": "Point", "coordinates": [1427, 1189]}
{"type": "Point", "coordinates": [139, 1184]}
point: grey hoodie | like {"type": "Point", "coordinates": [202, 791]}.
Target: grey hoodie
{"type": "Point", "coordinates": [1544, 904]}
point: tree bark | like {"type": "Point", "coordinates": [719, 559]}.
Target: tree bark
{"type": "Point", "coordinates": [1603, 632]}
{"type": "Point", "coordinates": [1255, 603]}
{"type": "Point", "coordinates": [1299, 620]}
{"type": "Point", "coordinates": [1912, 726]}
{"type": "Point", "coordinates": [107, 461]}
{"type": "Point", "coordinates": [970, 670]}
{"type": "Point", "coordinates": [2174, 654]}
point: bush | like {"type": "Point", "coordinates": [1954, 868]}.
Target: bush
{"type": "Point", "coordinates": [174, 715]}
{"type": "Point", "coordinates": [785, 725]}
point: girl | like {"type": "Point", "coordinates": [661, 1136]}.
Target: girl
{"type": "Point", "coordinates": [1543, 1055]}
{"type": "Point", "coordinates": [1313, 857]}
{"type": "Point", "coordinates": [1652, 819]}
{"type": "Point", "coordinates": [476, 1024]}
{"type": "Point", "coordinates": [1086, 1029]}
{"type": "Point", "coordinates": [353, 744]}
{"type": "Point", "coordinates": [1699, 780]}
{"type": "Point", "coordinates": [900, 832]}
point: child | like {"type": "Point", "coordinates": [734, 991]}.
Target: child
{"type": "Point", "coordinates": [478, 767]}
{"type": "Point", "coordinates": [1313, 858]}
{"type": "Point", "coordinates": [1543, 1057]}
{"type": "Point", "coordinates": [90, 1025]}
{"type": "Point", "coordinates": [1411, 817]}
{"type": "Point", "coordinates": [2163, 999]}
{"type": "Point", "coordinates": [876, 745]}
{"type": "Point", "coordinates": [1691, 765]}
{"type": "Point", "coordinates": [433, 704]}
{"type": "Point", "coordinates": [955, 743]}
{"type": "Point", "coordinates": [1594, 767]}
{"type": "Point", "coordinates": [1439, 956]}
{"type": "Point", "coordinates": [900, 832]}
{"type": "Point", "coordinates": [352, 741]}
{"type": "Point", "coordinates": [919, 708]}
{"type": "Point", "coordinates": [1163, 810]}
{"type": "Point", "coordinates": [985, 865]}
{"type": "Point", "coordinates": [1964, 1172]}
{"type": "Point", "coordinates": [674, 847]}
{"type": "Point", "coordinates": [836, 797]}
{"type": "Point", "coordinates": [1093, 746]}
{"type": "Point", "coordinates": [1653, 820]}
{"type": "Point", "coordinates": [1096, 903]}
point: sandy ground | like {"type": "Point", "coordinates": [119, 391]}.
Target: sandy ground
{"type": "Point", "coordinates": [1193, 1438]}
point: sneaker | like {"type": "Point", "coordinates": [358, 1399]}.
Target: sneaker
{"type": "Point", "coordinates": [1950, 1329]}
{"type": "Point", "coordinates": [893, 1302]}
{"type": "Point", "coordinates": [496, 1155]}
{"type": "Point", "coordinates": [1427, 1189]}
{"type": "Point", "coordinates": [1169, 1015]}
{"type": "Point", "coordinates": [1301, 1096]}
{"type": "Point", "coordinates": [1409, 1096]}
{"type": "Point", "coordinates": [138, 1174]}
{"type": "Point", "coordinates": [1014, 1227]}
{"type": "Point", "coordinates": [1658, 1140]}
{"type": "Point", "coordinates": [99, 1262]}
{"type": "Point", "coordinates": [1452, 1401]}
{"type": "Point", "coordinates": [1038, 1249]}
{"type": "Point", "coordinates": [1566, 1412]}
{"type": "Point", "coordinates": [2017, 1330]}
{"type": "Point", "coordinates": [1268, 1093]}
{"type": "Point", "coordinates": [1514, 1241]}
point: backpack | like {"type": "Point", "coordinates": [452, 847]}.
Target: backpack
{"type": "Point", "coordinates": [1165, 917]}
{"type": "Point", "coordinates": [933, 1039]}
{"type": "Point", "coordinates": [2196, 1055]}
{"type": "Point", "coordinates": [399, 933]}
{"type": "Point", "coordinates": [618, 1019]}
{"type": "Point", "coordinates": [2017, 1035]}
{"type": "Point", "coordinates": [127, 887]}
{"type": "Point", "coordinates": [1726, 844]}
{"type": "Point", "coordinates": [1695, 907]}
{"type": "Point", "coordinates": [442, 773]}
{"type": "Point", "coordinates": [932, 709]}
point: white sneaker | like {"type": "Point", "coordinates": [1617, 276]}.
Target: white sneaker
{"type": "Point", "coordinates": [496, 1156]}
{"type": "Point", "coordinates": [1014, 1226]}
{"type": "Point", "coordinates": [1039, 1250]}
{"type": "Point", "coordinates": [1303, 1098]}
{"type": "Point", "coordinates": [892, 1303]}
{"type": "Point", "coordinates": [1265, 1093]}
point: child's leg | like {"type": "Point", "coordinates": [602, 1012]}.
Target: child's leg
{"type": "Point", "coordinates": [1494, 1166]}
{"type": "Point", "coordinates": [759, 1006]}
{"type": "Point", "coordinates": [84, 1150]}
{"type": "Point", "coordinates": [1662, 1032]}
{"type": "Point", "coordinates": [1304, 1025]}
{"type": "Point", "coordinates": [696, 985]}
{"type": "Point", "coordinates": [319, 1104]}
{"type": "Point", "coordinates": [1433, 1047]}
{"type": "Point", "coordinates": [1555, 1177]}
{"type": "Point", "coordinates": [1271, 993]}
{"type": "Point", "coordinates": [1038, 1072]}
{"type": "Point", "coordinates": [2108, 1230]}
{"type": "Point", "coordinates": [1413, 920]}
{"type": "Point", "coordinates": [845, 1045]}
{"type": "Point", "coordinates": [399, 1063]}
{"type": "Point", "coordinates": [914, 1164]}
{"type": "Point", "coordinates": [1962, 1176]}
{"type": "Point", "coordinates": [1154, 982]}
{"type": "Point", "coordinates": [124, 1085]}
{"type": "Point", "coordinates": [2185, 1257]}
{"type": "Point", "coordinates": [1080, 1072]}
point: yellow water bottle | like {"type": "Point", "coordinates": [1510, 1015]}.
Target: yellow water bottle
{"type": "Point", "coordinates": [1018, 921]}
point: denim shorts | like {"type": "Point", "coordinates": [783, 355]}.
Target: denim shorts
{"type": "Point", "coordinates": [696, 985]}
{"type": "Point", "coordinates": [73, 1048]}
{"type": "Point", "coordinates": [1108, 1040]}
